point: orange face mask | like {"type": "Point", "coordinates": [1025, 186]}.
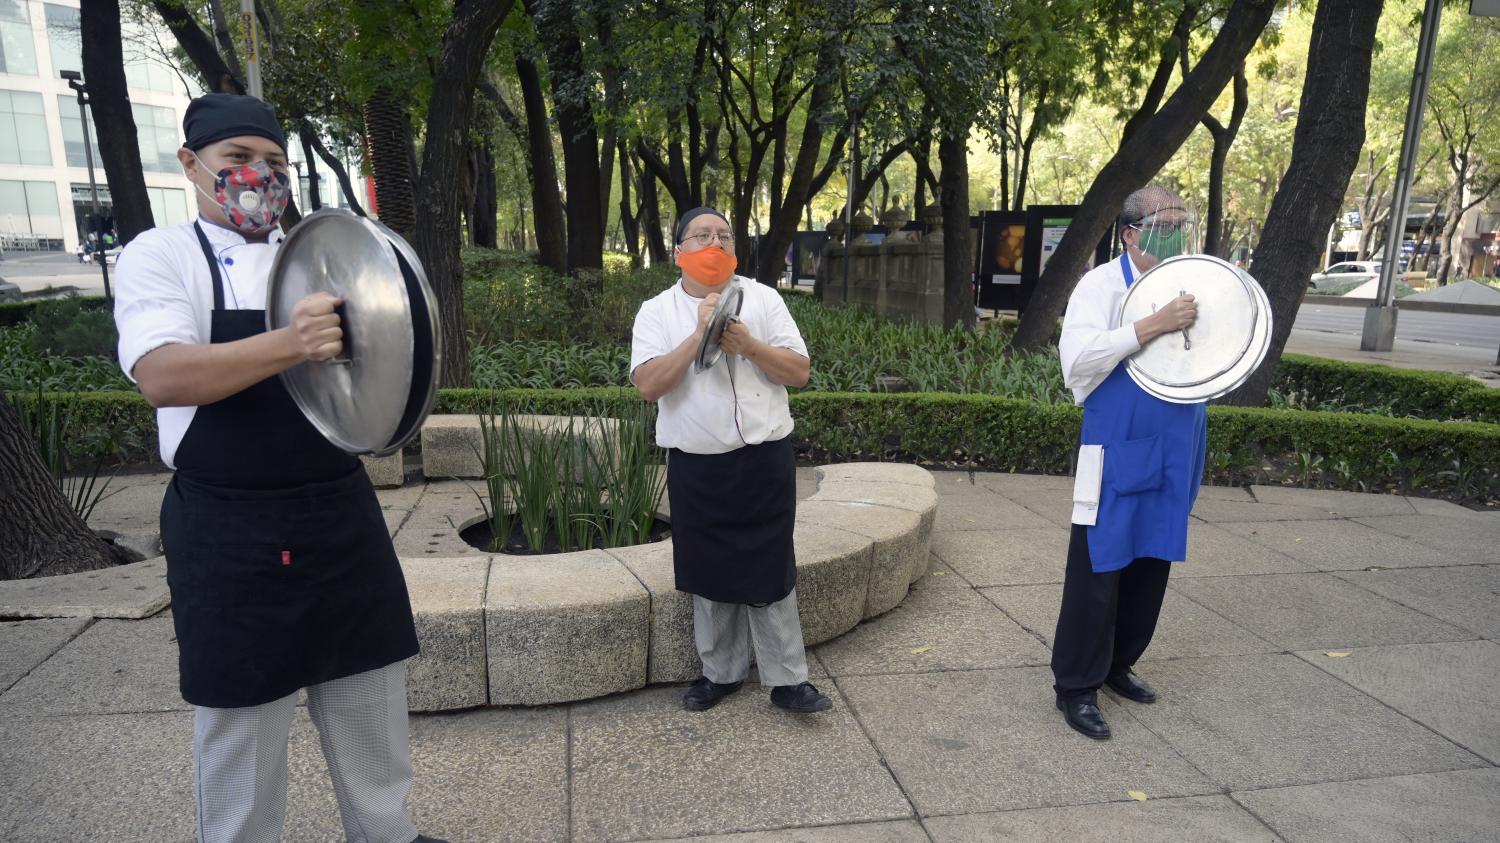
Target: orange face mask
{"type": "Point", "coordinates": [709, 266]}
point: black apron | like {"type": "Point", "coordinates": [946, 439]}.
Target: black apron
{"type": "Point", "coordinates": [732, 520]}
{"type": "Point", "coordinates": [281, 570]}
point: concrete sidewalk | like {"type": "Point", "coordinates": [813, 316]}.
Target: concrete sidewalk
{"type": "Point", "coordinates": [1327, 662]}
{"type": "Point", "coordinates": [1478, 363]}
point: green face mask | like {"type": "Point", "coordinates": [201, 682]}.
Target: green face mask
{"type": "Point", "coordinates": [1161, 246]}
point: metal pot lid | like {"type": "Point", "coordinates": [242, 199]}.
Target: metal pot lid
{"type": "Point", "coordinates": [1223, 346]}
{"type": "Point", "coordinates": [728, 308]}
{"type": "Point", "coordinates": [373, 397]}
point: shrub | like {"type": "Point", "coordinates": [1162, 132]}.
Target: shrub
{"type": "Point", "coordinates": [24, 369]}
{"type": "Point", "coordinates": [1317, 383]}
{"type": "Point", "coordinates": [1456, 460]}
{"type": "Point", "coordinates": [73, 327]}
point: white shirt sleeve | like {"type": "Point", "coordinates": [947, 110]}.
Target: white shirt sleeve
{"type": "Point", "coordinates": [781, 328]}
{"type": "Point", "coordinates": [1090, 349]}
{"type": "Point", "coordinates": [648, 337]}
{"type": "Point", "coordinates": [152, 306]}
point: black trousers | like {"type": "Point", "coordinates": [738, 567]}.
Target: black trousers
{"type": "Point", "coordinates": [1106, 621]}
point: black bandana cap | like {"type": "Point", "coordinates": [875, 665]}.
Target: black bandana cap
{"type": "Point", "coordinates": [682, 223]}
{"type": "Point", "coordinates": [214, 117]}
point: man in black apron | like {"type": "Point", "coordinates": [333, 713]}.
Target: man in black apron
{"type": "Point", "coordinates": [282, 574]}
{"type": "Point", "coordinates": [731, 478]}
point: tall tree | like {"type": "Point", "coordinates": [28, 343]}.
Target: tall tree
{"type": "Point", "coordinates": [1138, 159]}
{"type": "Point", "coordinates": [109, 102]}
{"type": "Point", "coordinates": [39, 530]}
{"type": "Point", "coordinates": [1330, 132]}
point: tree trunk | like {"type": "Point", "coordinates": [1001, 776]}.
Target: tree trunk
{"type": "Point", "coordinates": [958, 248]}
{"type": "Point", "coordinates": [315, 200]}
{"type": "Point", "coordinates": [41, 534]}
{"type": "Point", "coordinates": [1451, 219]}
{"type": "Point", "coordinates": [557, 29]}
{"type": "Point", "coordinates": [546, 201]}
{"type": "Point", "coordinates": [1213, 223]}
{"type": "Point", "coordinates": [1325, 150]}
{"type": "Point", "coordinates": [104, 71]}
{"type": "Point", "coordinates": [630, 218]}
{"type": "Point", "coordinates": [484, 209]}
{"type": "Point", "coordinates": [1137, 161]}
{"type": "Point", "coordinates": [460, 60]}
{"type": "Point", "coordinates": [656, 247]}
{"type": "Point", "coordinates": [351, 198]}
{"type": "Point", "coordinates": [388, 132]}
{"type": "Point", "coordinates": [199, 48]}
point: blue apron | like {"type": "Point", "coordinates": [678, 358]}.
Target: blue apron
{"type": "Point", "coordinates": [1153, 462]}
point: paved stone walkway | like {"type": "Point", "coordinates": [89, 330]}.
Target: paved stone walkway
{"type": "Point", "coordinates": [1327, 662]}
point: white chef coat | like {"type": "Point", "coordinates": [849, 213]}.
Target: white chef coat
{"type": "Point", "coordinates": [164, 294]}
{"type": "Point", "coordinates": [1091, 347]}
{"type": "Point", "coordinates": [698, 415]}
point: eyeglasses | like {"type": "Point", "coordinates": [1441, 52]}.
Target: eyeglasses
{"type": "Point", "coordinates": [703, 238]}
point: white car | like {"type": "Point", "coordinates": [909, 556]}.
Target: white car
{"type": "Point", "coordinates": [1343, 273]}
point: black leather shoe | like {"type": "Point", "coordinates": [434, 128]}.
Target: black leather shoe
{"type": "Point", "coordinates": [803, 699]}
{"type": "Point", "coordinates": [422, 838]}
{"type": "Point", "coordinates": [1131, 687]}
{"type": "Point", "coordinates": [1084, 717]}
{"type": "Point", "coordinates": [705, 694]}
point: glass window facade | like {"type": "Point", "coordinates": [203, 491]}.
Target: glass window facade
{"type": "Point", "coordinates": [17, 48]}
{"type": "Point", "coordinates": [156, 128]}
{"type": "Point", "coordinates": [23, 130]}
{"type": "Point", "coordinates": [29, 208]}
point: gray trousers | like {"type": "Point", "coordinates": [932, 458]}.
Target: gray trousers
{"type": "Point", "coordinates": [241, 758]}
{"type": "Point", "coordinates": [725, 632]}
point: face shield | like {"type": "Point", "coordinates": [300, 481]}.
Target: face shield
{"type": "Point", "coordinates": [1168, 232]}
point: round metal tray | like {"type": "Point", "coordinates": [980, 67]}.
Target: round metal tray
{"type": "Point", "coordinates": [1223, 347]}
{"type": "Point", "coordinates": [728, 308]}
{"type": "Point", "coordinates": [373, 397]}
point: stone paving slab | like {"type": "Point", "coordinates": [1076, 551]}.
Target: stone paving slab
{"type": "Point", "coordinates": [430, 535]}
{"type": "Point", "coordinates": [1273, 720]}
{"type": "Point", "coordinates": [116, 777]}
{"type": "Point", "coordinates": [1216, 511]}
{"type": "Point", "coordinates": [981, 509]}
{"type": "Point", "coordinates": [881, 832]}
{"type": "Point", "coordinates": [1458, 541]}
{"type": "Point", "coordinates": [1346, 504]}
{"type": "Point", "coordinates": [1466, 596]}
{"type": "Point", "coordinates": [1447, 509]}
{"type": "Point", "coordinates": [1054, 506]}
{"type": "Point", "coordinates": [1309, 611]}
{"type": "Point", "coordinates": [643, 767]}
{"type": "Point", "coordinates": [1004, 557]}
{"type": "Point", "coordinates": [1451, 688]}
{"type": "Point", "coordinates": [132, 506]}
{"type": "Point", "coordinates": [405, 497]}
{"type": "Point", "coordinates": [989, 740]}
{"type": "Point", "coordinates": [137, 590]}
{"type": "Point", "coordinates": [1007, 484]}
{"type": "Point", "coordinates": [1341, 545]}
{"type": "Point", "coordinates": [940, 575]}
{"type": "Point", "coordinates": [1185, 629]}
{"type": "Point", "coordinates": [934, 629]}
{"type": "Point", "coordinates": [1232, 494]}
{"type": "Point", "coordinates": [1214, 551]}
{"type": "Point", "coordinates": [1201, 819]}
{"type": "Point", "coordinates": [112, 667]}
{"type": "Point", "coordinates": [1460, 807]}
{"type": "Point", "coordinates": [26, 644]}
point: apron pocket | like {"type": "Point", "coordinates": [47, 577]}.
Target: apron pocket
{"type": "Point", "coordinates": [1133, 466]}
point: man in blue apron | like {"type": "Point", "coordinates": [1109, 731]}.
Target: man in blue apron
{"type": "Point", "coordinates": [1140, 464]}
{"type": "Point", "coordinates": [731, 478]}
{"type": "Point", "coordinates": [282, 574]}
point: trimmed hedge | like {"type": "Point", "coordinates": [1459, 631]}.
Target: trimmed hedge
{"type": "Point", "coordinates": [1312, 382]}
{"type": "Point", "coordinates": [1455, 460]}
{"type": "Point", "coordinates": [14, 313]}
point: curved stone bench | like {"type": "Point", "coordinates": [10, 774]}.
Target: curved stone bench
{"type": "Point", "coordinates": [570, 626]}
{"type": "Point", "coordinates": [534, 630]}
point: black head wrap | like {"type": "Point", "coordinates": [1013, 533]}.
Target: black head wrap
{"type": "Point", "coordinates": [682, 222]}
{"type": "Point", "coordinates": [214, 117]}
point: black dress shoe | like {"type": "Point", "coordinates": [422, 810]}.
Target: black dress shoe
{"type": "Point", "coordinates": [1084, 717]}
{"type": "Point", "coordinates": [705, 694]}
{"type": "Point", "coordinates": [422, 838]}
{"type": "Point", "coordinates": [803, 699]}
{"type": "Point", "coordinates": [1131, 687]}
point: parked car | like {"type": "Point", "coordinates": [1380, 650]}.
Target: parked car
{"type": "Point", "coordinates": [9, 292]}
{"type": "Point", "coordinates": [1343, 273]}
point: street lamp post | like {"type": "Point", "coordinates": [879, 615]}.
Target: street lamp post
{"type": "Point", "coordinates": [75, 81]}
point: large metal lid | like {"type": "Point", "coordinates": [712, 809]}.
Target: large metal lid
{"type": "Point", "coordinates": [1222, 348]}
{"type": "Point", "coordinates": [373, 398]}
{"type": "Point", "coordinates": [727, 309]}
